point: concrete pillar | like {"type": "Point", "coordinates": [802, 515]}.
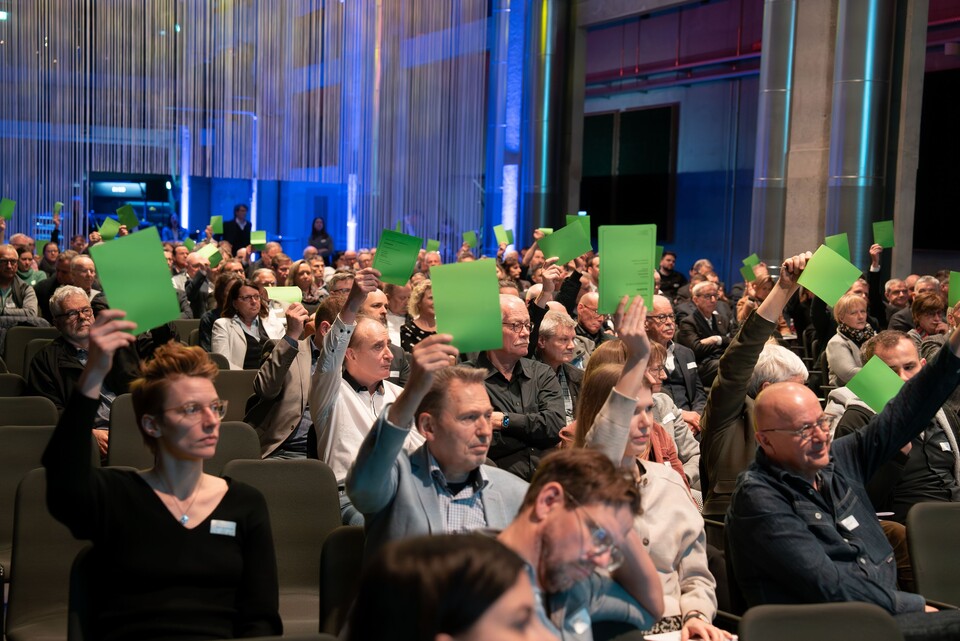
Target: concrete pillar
{"type": "Point", "coordinates": [808, 157]}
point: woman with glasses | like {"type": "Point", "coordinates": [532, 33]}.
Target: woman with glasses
{"type": "Point", "coordinates": [244, 326]}
{"type": "Point", "coordinates": [179, 554]}
{"type": "Point", "coordinates": [669, 523]}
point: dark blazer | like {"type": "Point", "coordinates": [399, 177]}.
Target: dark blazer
{"type": "Point", "coordinates": [234, 235]}
{"type": "Point", "coordinates": [687, 362]}
{"type": "Point", "coordinates": [693, 329]}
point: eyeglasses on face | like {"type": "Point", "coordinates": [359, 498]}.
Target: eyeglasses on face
{"type": "Point", "coordinates": [519, 326]}
{"type": "Point", "coordinates": [601, 540]}
{"type": "Point", "coordinates": [806, 431]}
{"type": "Point", "coordinates": [250, 298]}
{"type": "Point", "coordinates": [596, 312]}
{"type": "Point", "coordinates": [662, 319]}
{"type": "Point", "coordinates": [707, 296]}
{"type": "Point", "coordinates": [9, 261]}
{"type": "Point", "coordinates": [74, 314]}
{"type": "Point", "coordinates": [193, 411]}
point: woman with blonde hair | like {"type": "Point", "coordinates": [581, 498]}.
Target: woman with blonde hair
{"type": "Point", "coordinates": [423, 320]}
{"type": "Point", "coordinates": [853, 330]}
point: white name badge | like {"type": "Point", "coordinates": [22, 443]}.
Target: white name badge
{"type": "Point", "coordinates": [224, 528]}
{"type": "Point", "coordinates": [945, 446]}
{"type": "Point", "coordinates": [691, 365]}
{"type": "Point", "coordinates": [850, 523]}
{"type": "Point", "coordinates": [668, 418]}
{"type": "Point", "coordinates": [580, 621]}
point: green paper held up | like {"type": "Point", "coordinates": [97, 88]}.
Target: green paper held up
{"type": "Point", "coordinates": [584, 222]}
{"type": "Point", "coordinates": [546, 230]}
{"type": "Point", "coordinates": [57, 207]}
{"type": "Point", "coordinates": [828, 275]}
{"type": "Point", "coordinates": [501, 235]}
{"type": "Point", "coordinates": [399, 226]}
{"type": "Point", "coordinates": [747, 272]}
{"type": "Point", "coordinates": [466, 297]}
{"type": "Point", "coordinates": [883, 233]}
{"type": "Point", "coordinates": [258, 239]}
{"type": "Point", "coordinates": [396, 256]}
{"type": "Point", "coordinates": [433, 245]}
{"type": "Point", "coordinates": [40, 245]}
{"type": "Point", "coordinates": [109, 229]}
{"type": "Point", "coordinates": [751, 260]}
{"type": "Point", "coordinates": [211, 253]}
{"type": "Point", "coordinates": [840, 244]}
{"type": "Point", "coordinates": [136, 279]}
{"type": "Point", "coordinates": [659, 256]}
{"type": "Point", "coordinates": [285, 294]}
{"type": "Point", "coordinates": [954, 294]}
{"type": "Point", "coordinates": [6, 207]}
{"type": "Point", "coordinates": [875, 384]}
{"type": "Point", "coordinates": [470, 238]}
{"type": "Point", "coordinates": [128, 217]}
{"type": "Point", "coordinates": [216, 224]}
{"type": "Point", "coordinates": [628, 264]}
{"type": "Point", "coordinates": [566, 243]}
{"type": "Point", "coordinates": [188, 243]}
{"type": "Point", "coordinates": [509, 236]}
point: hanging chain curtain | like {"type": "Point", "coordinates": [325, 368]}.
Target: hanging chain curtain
{"type": "Point", "coordinates": [387, 95]}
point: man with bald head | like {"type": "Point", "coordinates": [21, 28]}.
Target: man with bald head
{"type": "Point", "coordinates": [526, 397]}
{"type": "Point", "coordinates": [590, 322]}
{"type": "Point", "coordinates": [800, 527]}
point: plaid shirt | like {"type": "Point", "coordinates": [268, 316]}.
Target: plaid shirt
{"type": "Point", "coordinates": [462, 512]}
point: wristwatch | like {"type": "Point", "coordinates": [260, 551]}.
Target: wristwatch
{"type": "Point", "coordinates": [505, 422]}
{"type": "Point", "coordinates": [695, 614]}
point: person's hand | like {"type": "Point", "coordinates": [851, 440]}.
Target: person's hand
{"type": "Point", "coordinates": [95, 238]}
{"type": "Point", "coordinates": [941, 328]}
{"type": "Point", "coordinates": [103, 440]}
{"type": "Point", "coordinates": [537, 235]}
{"type": "Point", "coordinates": [696, 628]}
{"type": "Point", "coordinates": [428, 357]}
{"type": "Point", "coordinates": [464, 248]}
{"type": "Point", "coordinates": [791, 269]}
{"type": "Point", "coordinates": [875, 251]}
{"type": "Point", "coordinates": [366, 280]}
{"type": "Point", "coordinates": [208, 232]}
{"type": "Point", "coordinates": [3, 224]}
{"type": "Point", "coordinates": [692, 419]}
{"type": "Point", "coordinates": [551, 276]}
{"type": "Point", "coordinates": [123, 231]}
{"type": "Point", "coordinates": [630, 324]}
{"type": "Point", "coordinates": [745, 307]}
{"type": "Point", "coordinates": [930, 608]}
{"type": "Point", "coordinates": [496, 420]}
{"type": "Point", "coordinates": [297, 317]}
{"type": "Point", "coordinates": [56, 219]}
{"type": "Point", "coordinates": [712, 340]}
{"type": "Point", "coordinates": [501, 249]}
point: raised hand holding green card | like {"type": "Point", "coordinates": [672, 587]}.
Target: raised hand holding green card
{"type": "Point", "coordinates": [566, 243]}
{"type": "Point", "coordinates": [396, 256]}
{"type": "Point", "coordinates": [828, 275]}
{"type": "Point", "coordinates": [216, 224]}
{"type": "Point", "coordinates": [883, 233]}
{"type": "Point", "coordinates": [466, 300]}
{"type": "Point", "coordinates": [136, 279]}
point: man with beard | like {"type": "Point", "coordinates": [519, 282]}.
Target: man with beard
{"type": "Point", "coordinates": [577, 517]}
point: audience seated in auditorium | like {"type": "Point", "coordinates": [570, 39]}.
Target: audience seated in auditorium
{"type": "Point", "coordinates": [670, 279]}
{"type": "Point", "coordinates": [45, 288]}
{"type": "Point", "coordinates": [18, 298]}
{"type": "Point", "coordinates": [928, 317]}
{"type": "Point", "coordinates": [422, 321]}
{"type": "Point", "coordinates": [903, 319]}
{"type": "Point", "coordinates": [244, 326]}
{"type": "Point", "coordinates": [706, 331]}
{"type": "Point", "coordinates": [853, 330]}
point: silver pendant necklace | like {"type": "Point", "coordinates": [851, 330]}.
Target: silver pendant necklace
{"type": "Point", "coordinates": [184, 519]}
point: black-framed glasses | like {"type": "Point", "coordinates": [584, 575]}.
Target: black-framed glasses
{"type": "Point", "coordinates": [74, 314]}
{"type": "Point", "coordinates": [596, 312]}
{"type": "Point", "coordinates": [662, 319]}
{"type": "Point", "coordinates": [193, 411]}
{"type": "Point", "coordinates": [601, 540]}
{"type": "Point", "coordinates": [824, 423]}
{"type": "Point", "coordinates": [9, 261]}
{"type": "Point", "coordinates": [519, 326]}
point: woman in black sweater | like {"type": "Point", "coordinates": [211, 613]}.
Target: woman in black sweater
{"type": "Point", "coordinates": [179, 554]}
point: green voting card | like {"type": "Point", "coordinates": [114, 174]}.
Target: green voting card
{"type": "Point", "coordinates": [546, 230]}
{"type": "Point", "coordinates": [509, 236]}
{"type": "Point", "coordinates": [128, 217]}
{"type": "Point", "coordinates": [188, 243]}
{"type": "Point", "coordinates": [211, 253]}
{"type": "Point", "coordinates": [57, 207]}
{"type": "Point", "coordinates": [583, 220]}
{"type": "Point", "coordinates": [751, 260]}
{"type": "Point", "coordinates": [828, 275]}
{"type": "Point", "coordinates": [258, 239]}
{"type": "Point", "coordinates": [954, 293]}
{"type": "Point", "coordinates": [883, 233]}
{"type": "Point", "coordinates": [470, 238]}
{"type": "Point", "coordinates": [840, 244]}
{"type": "Point", "coordinates": [629, 253]}
{"type": "Point", "coordinates": [285, 294]}
{"type": "Point", "coordinates": [466, 297]}
{"type": "Point", "coordinates": [136, 279]}
{"type": "Point", "coordinates": [216, 224]}
{"type": "Point", "coordinates": [501, 235]}
{"type": "Point", "coordinates": [6, 207]}
{"type": "Point", "coordinates": [747, 272]}
{"type": "Point", "coordinates": [433, 245]}
{"type": "Point", "coordinates": [566, 243]}
{"type": "Point", "coordinates": [109, 228]}
{"type": "Point", "coordinates": [399, 226]}
{"type": "Point", "coordinates": [659, 254]}
{"type": "Point", "coordinates": [396, 256]}
{"type": "Point", "coordinates": [875, 384]}
{"type": "Point", "coordinates": [40, 245]}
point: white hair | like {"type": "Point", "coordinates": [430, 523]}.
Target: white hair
{"type": "Point", "coordinates": [776, 364]}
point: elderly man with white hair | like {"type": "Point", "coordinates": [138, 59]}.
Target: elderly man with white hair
{"type": "Point", "coordinates": [749, 365]}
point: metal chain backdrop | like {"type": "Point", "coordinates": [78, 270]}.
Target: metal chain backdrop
{"type": "Point", "coordinates": [385, 98]}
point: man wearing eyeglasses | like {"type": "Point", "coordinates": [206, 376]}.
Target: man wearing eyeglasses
{"type": "Point", "coordinates": [706, 331]}
{"type": "Point", "coordinates": [527, 401]}
{"type": "Point", "coordinates": [577, 517]}
{"type": "Point", "coordinates": [800, 526]}
{"type": "Point", "coordinates": [591, 324]}
{"type": "Point", "coordinates": [683, 384]}
{"type": "Point", "coordinates": [17, 298]}
{"type": "Point", "coordinates": [55, 370]}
